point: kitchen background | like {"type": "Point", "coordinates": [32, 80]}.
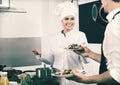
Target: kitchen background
{"type": "Point", "coordinates": [22, 27]}
{"type": "Point", "coordinates": [27, 22]}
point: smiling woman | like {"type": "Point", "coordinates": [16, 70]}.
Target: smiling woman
{"type": "Point", "coordinates": [54, 52]}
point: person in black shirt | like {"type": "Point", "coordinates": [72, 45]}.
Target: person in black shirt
{"type": "Point", "coordinates": [109, 59]}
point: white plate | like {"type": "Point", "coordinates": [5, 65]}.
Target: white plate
{"type": "Point", "coordinates": [82, 71]}
{"type": "Point", "coordinates": [67, 75]}
{"type": "Point", "coordinates": [81, 49]}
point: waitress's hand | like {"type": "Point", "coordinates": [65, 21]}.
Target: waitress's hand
{"type": "Point", "coordinates": [36, 51]}
{"type": "Point", "coordinates": [84, 51]}
{"type": "Point", "coordinates": [77, 76]}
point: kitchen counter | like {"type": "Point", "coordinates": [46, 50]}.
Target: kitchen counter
{"type": "Point", "coordinates": [87, 67]}
{"type": "Point", "coordinates": [34, 79]}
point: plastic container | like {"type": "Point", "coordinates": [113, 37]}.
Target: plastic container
{"type": "Point", "coordinates": [4, 79]}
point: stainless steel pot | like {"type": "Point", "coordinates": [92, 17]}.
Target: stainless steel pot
{"type": "Point", "coordinates": [43, 73]}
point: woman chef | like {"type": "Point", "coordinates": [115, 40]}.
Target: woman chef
{"type": "Point", "coordinates": [55, 53]}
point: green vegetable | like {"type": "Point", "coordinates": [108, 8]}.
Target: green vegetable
{"type": "Point", "coordinates": [28, 79]}
{"type": "Point", "coordinates": [73, 46]}
{"type": "Point", "coordinates": [67, 71]}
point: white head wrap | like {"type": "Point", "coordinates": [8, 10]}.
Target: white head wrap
{"type": "Point", "coordinates": [66, 8]}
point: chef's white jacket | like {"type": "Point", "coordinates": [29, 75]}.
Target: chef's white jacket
{"type": "Point", "coordinates": [54, 52]}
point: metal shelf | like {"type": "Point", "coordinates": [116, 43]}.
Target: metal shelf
{"type": "Point", "coordinates": [13, 10]}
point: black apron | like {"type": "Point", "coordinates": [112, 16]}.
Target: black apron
{"type": "Point", "coordinates": [103, 66]}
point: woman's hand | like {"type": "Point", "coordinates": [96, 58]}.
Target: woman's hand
{"type": "Point", "coordinates": [77, 76]}
{"type": "Point", "coordinates": [89, 53]}
{"type": "Point", "coordinates": [36, 51]}
{"type": "Point", "coordinates": [84, 51]}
